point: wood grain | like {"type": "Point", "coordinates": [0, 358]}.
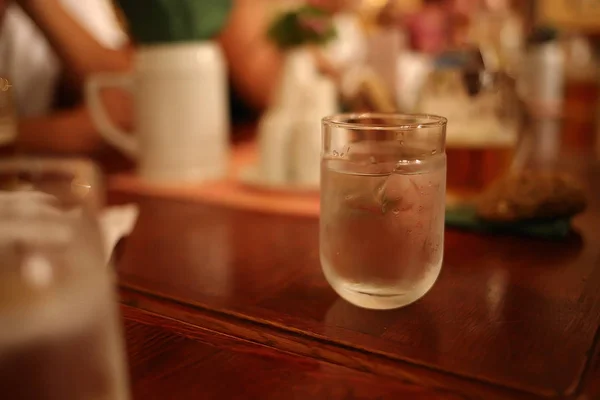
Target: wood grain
{"type": "Point", "coordinates": [515, 314]}
{"type": "Point", "coordinates": [309, 347]}
{"type": "Point", "coordinates": [173, 360]}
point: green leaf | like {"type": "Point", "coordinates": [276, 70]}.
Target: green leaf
{"type": "Point", "coordinates": [167, 21]}
{"type": "Point", "coordinates": [295, 28]}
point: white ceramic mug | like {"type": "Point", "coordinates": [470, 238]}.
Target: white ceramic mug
{"type": "Point", "coordinates": [181, 110]}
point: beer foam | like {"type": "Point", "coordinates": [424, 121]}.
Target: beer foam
{"type": "Point", "coordinates": [480, 133]}
{"type": "Point", "coordinates": [470, 123]}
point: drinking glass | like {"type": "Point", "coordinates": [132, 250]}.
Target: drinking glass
{"type": "Point", "coordinates": [60, 335]}
{"type": "Point", "coordinates": [486, 119]}
{"type": "Point", "coordinates": [383, 183]}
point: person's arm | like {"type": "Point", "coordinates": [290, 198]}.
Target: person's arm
{"type": "Point", "coordinates": [71, 131]}
{"type": "Point", "coordinates": [254, 62]}
{"type": "Point", "coordinates": [80, 53]}
{"type": "Point", "coordinates": [68, 132]}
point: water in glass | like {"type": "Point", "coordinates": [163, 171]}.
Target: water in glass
{"type": "Point", "coordinates": [382, 225]}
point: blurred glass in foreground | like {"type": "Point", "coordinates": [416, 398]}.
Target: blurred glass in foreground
{"type": "Point", "coordinates": [60, 333]}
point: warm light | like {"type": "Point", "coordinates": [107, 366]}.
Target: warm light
{"type": "Point", "coordinates": [80, 188]}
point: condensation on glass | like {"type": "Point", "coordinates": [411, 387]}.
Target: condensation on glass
{"type": "Point", "coordinates": [383, 184]}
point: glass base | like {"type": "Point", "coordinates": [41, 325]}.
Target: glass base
{"type": "Point", "coordinates": [377, 298]}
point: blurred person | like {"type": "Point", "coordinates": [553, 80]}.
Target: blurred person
{"type": "Point", "coordinates": [255, 63]}
{"type": "Point", "coordinates": [499, 31]}
{"type": "Point", "coordinates": [335, 6]}
{"type": "Point", "coordinates": [441, 25]}
{"type": "Point", "coordinates": [49, 47]}
{"type": "Point", "coordinates": [461, 19]}
{"type": "Point", "coordinates": [430, 27]}
{"type": "Point", "coordinates": [429, 34]}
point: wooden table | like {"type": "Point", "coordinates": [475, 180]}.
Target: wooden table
{"type": "Point", "coordinates": [223, 303]}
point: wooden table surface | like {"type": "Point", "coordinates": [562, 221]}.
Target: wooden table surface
{"type": "Point", "coordinates": [227, 303]}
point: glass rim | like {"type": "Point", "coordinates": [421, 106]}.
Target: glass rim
{"type": "Point", "coordinates": [400, 124]}
{"type": "Point", "coordinates": [82, 169]}
{"type": "Point", "coordinates": [29, 163]}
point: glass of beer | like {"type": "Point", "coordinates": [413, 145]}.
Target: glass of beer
{"type": "Point", "coordinates": [484, 122]}
{"type": "Point", "coordinates": [60, 335]}
{"type": "Point", "coordinates": [383, 182]}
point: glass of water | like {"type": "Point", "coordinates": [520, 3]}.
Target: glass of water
{"type": "Point", "coordinates": [60, 335]}
{"type": "Point", "coordinates": [383, 184]}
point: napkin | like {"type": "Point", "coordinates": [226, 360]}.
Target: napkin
{"type": "Point", "coordinates": [117, 222]}
{"type": "Point", "coordinates": [465, 217]}
{"type": "Point", "coordinates": [168, 21]}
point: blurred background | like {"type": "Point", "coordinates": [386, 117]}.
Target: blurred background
{"type": "Point", "coordinates": [518, 80]}
{"type": "Point", "coordinates": [224, 97]}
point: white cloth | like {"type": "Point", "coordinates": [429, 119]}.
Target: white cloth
{"type": "Point", "coordinates": [32, 217]}
{"type": "Point", "coordinates": [117, 222]}
{"type": "Point", "coordinates": [29, 62]}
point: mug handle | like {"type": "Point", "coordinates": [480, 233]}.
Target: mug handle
{"type": "Point", "coordinates": [119, 138]}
